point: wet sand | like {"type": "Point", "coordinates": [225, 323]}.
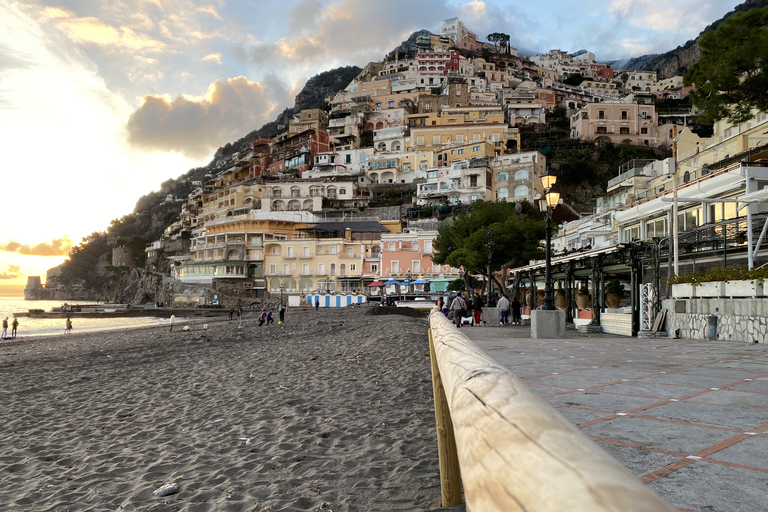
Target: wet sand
{"type": "Point", "coordinates": [331, 411]}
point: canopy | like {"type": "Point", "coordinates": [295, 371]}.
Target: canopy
{"type": "Point", "coordinates": [421, 281]}
{"type": "Point", "coordinates": [391, 281]}
{"type": "Point", "coordinates": [376, 283]}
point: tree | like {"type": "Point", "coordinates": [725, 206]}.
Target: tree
{"type": "Point", "coordinates": [517, 237]}
{"type": "Point", "coordinates": [499, 40]}
{"type": "Point", "coordinates": [731, 78]}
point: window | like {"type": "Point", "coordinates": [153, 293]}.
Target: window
{"type": "Point", "coordinates": [305, 251]}
{"type": "Point", "coordinates": [601, 130]}
{"type": "Point", "coordinates": [435, 139]}
{"type": "Point", "coordinates": [460, 137]}
{"type": "Point", "coordinates": [333, 269]}
{"type": "Point", "coordinates": [475, 137]}
{"type": "Point", "coordinates": [342, 191]}
{"type": "Point", "coordinates": [624, 130]}
{"type": "Point", "coordinates": [374, 267]}
{"type": "Point", "coordinates": [473, 180]}
{"type": "Point", "coordinates": [395, 266]}
{"type": "Point", "coordinates": [522, 174]}
{"type": "Point", "coordinates": [352, 267]}
{"type": "Point", "coordinates": [275, 251]}
{"type": "Point", "coordinates": [347, 159]}
{"type": "Point", "coordinates": [502, 176]}
{"type": "Point", "coordinates": [461, 151]}
{"type": "Point", "coordinates": [521, 191]}
{"type": "Point", "coordinates": [290, 252]}
{"type": "Point", "coordinates": [624, 114]}
{"type": "Point", "coordinates": [502, 193]}
{"type": "Point", "coordinates": [321, 269]}
{"type": "Point", "coordinates": [391, 103]}
{"type": "Point", "coordinates": [272, 268]}
{"type": "Point", "coordinates": [286, 269]}
{"type": "Point", "coordinates": [305, 269]}
{"type": "Point", "coordinates": [391, 247]}
{"type": "Point", "coordinates": [601, 114]}
{"type": "Point", "coordinates": [415, 266]}
{"type": "Point", "coordinates": [420, 140]}
{"type": "Point", "coordinates": [428, 246]}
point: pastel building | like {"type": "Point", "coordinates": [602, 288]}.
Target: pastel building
{"type": "Point", "coordinates": [617, 122]}
{"type": "Point", "coordinates": [409, 255]}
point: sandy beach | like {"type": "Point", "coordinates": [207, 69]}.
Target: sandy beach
{"type": "Point", "coordinates": [330, 411]}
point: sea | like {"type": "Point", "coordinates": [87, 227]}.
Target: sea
{"type": "Point", "coordinates": [33, 327]}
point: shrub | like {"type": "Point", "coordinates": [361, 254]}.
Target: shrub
{"type": "Point", "coordinates": [737, 273]}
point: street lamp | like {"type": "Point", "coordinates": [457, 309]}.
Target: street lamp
{"type": "Point", "coordinates": [282, 287]}
{"type": "Point", "coordinates": [547, 203]}
{"type": "Point", "coordinates": [490, 245]}
{"type": "Point", "coordinates": [408, 276]}
{"type": "Point", "coordinates": [327, 285]}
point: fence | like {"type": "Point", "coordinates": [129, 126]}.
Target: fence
{"type": "Point", "coordinates": [509, 448]}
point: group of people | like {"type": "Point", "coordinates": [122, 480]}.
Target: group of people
{"type": "Point", "coordinates": [464, 308]}
{"type": "Point", "coordinates": [14, 327]}
{"type": "Point", "coordinates": [269, 317]}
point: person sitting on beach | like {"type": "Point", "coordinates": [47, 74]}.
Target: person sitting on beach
{"type": "Point", "coordinates": [5, 328]}
{"type": "Point", "coordinates": [14, 325]}
{"type": "Point", "coordinates": [68, 326]}
{"type": "Point", "coordinates": [262, 317]}
{"type": "Point", "coordinates": [270, 319]}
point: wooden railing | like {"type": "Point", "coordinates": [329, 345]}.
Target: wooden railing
{"type": "Point", "coordinates": [509, 448]}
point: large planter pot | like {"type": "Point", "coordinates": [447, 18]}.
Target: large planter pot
{"type": "Point", "coordinates": [750, 288]}
{"type": "Point", "coordinates": [612, 300]}
{"type": "Point", "coordinates": [559, 300]}
{"type": "Point", "coordinates": [683, 291]}
{"type": "Point", "coordinates": [711, 289]}
{"type": "Point", "coordinates": [583, 301]}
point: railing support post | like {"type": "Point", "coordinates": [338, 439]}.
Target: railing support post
{"type": "Point", "coordinates": [450, 473]}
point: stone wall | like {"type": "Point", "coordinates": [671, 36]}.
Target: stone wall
{"type": "Point", "coordinates": [743, 320]}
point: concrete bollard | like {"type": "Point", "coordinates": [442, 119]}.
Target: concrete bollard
{"type": "Point", "coordinates": [712, 327]}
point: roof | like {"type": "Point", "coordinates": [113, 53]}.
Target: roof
{"type": "Point", "coordinates": [356, 227]}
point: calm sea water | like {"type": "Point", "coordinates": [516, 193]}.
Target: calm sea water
{"type": "Point", "coordinates": [55, 326]}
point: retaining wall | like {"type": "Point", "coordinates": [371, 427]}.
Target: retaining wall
{"type": "Point", "coordinates": [743, 320]}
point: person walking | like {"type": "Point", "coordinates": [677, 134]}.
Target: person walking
{"type": "Point", "coordinates": [317, 304]}
{"type": "Point", "coordinates": [270, 317]}
{"type": "Point", "coordinates": [458, 306]}
{"type": "Point", "coordinates": [477, 308]}
{"type": "Point", "coordinates": [14, 327]}
{"type": "Point", "coordinates": [68, 326]}
{"type": "Point", "coordinates": [5, 328]}
{"type": "Point", "coordinates": [282, 313]}
{"type": "Point", "coordinates": [504, 309]}
{"type": "Point", "coordinates": [516, 307]}
{"type": "Point", "coordinates": [170, 322]}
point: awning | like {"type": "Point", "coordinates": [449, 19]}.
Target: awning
{"type": "Point", "coordinates": [375, 284]}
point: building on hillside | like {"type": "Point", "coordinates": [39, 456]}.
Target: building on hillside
{"type": "Point", "coordinates": [325, 257]}
{"type": "Point", "coordinates": [641, 81]}
{"type": "Point", "coordinates": [400, 167]}
{"type": "Point", "coordinates": [457, 32]}
{"type": "Point", "coordinates": [312, 194]}
{"type": "Point", "coordinates": [298, 151]}
{"type": "Point", "coordinates": [435, 130]}
{"type": "Point", "coordinates": [340, 162]}
{"type": "Point", "coordinates": [408, 255]}
{"type": "Point", "coordinates": [517, 176]}
{"type": "Point", "coordinates": [463, 182]}
{"type": "Point", "coordinates": [308, 119]}
{"type": "Point", "coordinates": [616, 122]}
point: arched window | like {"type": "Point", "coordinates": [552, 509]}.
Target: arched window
{"type": "Point", "coordinates": [521, 190]}
{"type": "Point", "coordinates": [522, 174]}
{"type": "Point", "coordinates": [502, 193]}
{"type": "Point", "coordinates": [686, 177]}
{"type": "Point", "coordinates": [502, 176]}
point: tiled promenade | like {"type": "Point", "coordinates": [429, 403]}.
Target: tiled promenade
{"type": "Point", "coordinates": [690, 418]}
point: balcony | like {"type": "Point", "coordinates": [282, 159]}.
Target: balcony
{"type": "Point", "coordinates": [349, 256]}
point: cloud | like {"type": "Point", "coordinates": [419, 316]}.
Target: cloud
{"type": "Point", "coordinates": [347, 31]}
{"type": "Point", "coordinates": [194, 126]}
{"type": "Point", "coordinates": [92, 30]}
{"type": "Point", "coordinates": [210, 10]}
{"type": "Point", "coordinates": [14, 272]}
{"type": "Point", "coordinates": [212, 57]}
{"type": "Point", "coordinates": [56, 247]}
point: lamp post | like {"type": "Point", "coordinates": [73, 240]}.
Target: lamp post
{"type": "Point", "coordinates": [548, 202]}
{"type": "Point", "coordinates": [490, 245]}
{"type": "Point", "coordinates": [327, 285]}
{"type": "Point", "coordinates": [282, 287]}
{"type": "Point", "coordinates": [408, 276]}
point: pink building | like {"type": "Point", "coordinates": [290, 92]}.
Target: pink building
{"type": "Point", "coordinates": [410, 254]}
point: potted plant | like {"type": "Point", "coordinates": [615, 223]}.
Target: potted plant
{"type": "Point", "coordinates": [560, 298]}
{"type": "Point", "coordinates": [583, 298]}
{"type": "Point", "coordinates": [614, 291]}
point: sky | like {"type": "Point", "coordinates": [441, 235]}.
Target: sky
{"type": "Point", "coordinates": [102, 101]}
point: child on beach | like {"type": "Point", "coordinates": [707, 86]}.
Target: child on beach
{"type": "Point", "coordinates": [262, 317]}
{"type": "Point", "coordinates": [270, 320]}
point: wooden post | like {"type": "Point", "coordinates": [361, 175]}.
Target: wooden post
{"type": "Point", "coordinates": [450, 473]}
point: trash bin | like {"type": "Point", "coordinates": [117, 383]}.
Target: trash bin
{"type": "Point", "coordinates": [712, 327]}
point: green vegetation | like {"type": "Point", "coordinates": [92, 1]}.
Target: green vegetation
{"type": "Point", "coordinates": [732, 75]}
{"type": "Point", "coordinates": [516, 235]}
{"type": "Point", "coordinates": [614, 286]}
{"type": "Point", "coordinates": [737, 273]}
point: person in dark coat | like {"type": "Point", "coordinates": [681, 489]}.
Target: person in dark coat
{"type": "Point", "coordinates": [477, 308]}
{"type": "Point", "coordinates": [516, 308]}
{"type": "Point", "coordinates": [282, 313]}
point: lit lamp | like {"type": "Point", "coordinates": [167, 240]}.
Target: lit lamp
{"type": "Point", "coordinates": [549, 200]}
